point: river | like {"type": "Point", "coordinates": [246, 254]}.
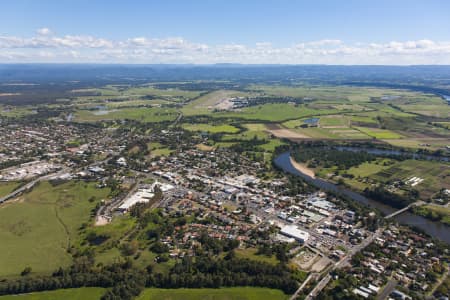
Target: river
{"type": "Point", "coordinates": [434, 229]}
{"type": "Point", "coordinates": [393, 152]}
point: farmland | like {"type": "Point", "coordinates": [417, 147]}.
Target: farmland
{"type": "Point", "coordinates": [201, 139]}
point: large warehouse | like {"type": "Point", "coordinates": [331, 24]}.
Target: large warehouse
{"type": "Point", "coordinates": [293, 232]}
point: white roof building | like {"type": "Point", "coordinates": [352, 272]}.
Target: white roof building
{"type": "Point", "coordinates": [293, 232]}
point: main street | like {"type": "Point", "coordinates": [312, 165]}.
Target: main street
{"type": "Point", "coordinates": [343, 262]}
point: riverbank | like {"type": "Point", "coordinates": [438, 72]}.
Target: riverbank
{"type": "Point", "coordinates": [434, 229]}
{"type": "Point", "coordinates": [302, 168]}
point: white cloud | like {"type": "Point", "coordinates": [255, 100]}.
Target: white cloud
{"type": "Point", "coordinates": [46, 46]}
{"type": "Point", "coordinates": [44, 31]}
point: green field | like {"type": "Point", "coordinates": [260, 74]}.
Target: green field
{"type": "Point", "coordinates": [334, 121]}
{"type": "Point", "coordinates": [235, 293]}
{"type": "Point", "coordinates": [257, 130]}
{"type": "Point", "coordinates": [8, 187]}
{"type": "Point", "coordinates": [16, 112]}
{"type": "Point", "coordinates": [172, 94]}
{"type": "Point", "coordinates": [135, 92]}
{"type": "Point", "coordinates": [328, 93]}
{"type": "Point", "coordinates": [224, 128]}
{"type": "Point", "coordinates": [148, 115]}
{"type": "Point", "coordinates": [250, 253]}
{"type": "Point", "coordinates": [157, 149]}
{"type": "Point", "coordinates": [44, 221]}
{"type": "Point", "coordinates": [368, 168]}
{"type": "Point", "coordinates": [66, 294]}
{"type": "Point", "coordinates": [379, 133]}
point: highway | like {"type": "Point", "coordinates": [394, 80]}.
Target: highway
{"type": "Point", "coordinates": [30, 184]}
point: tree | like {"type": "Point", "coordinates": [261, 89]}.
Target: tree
{"type": "Point", "coordinates": [26, 271]}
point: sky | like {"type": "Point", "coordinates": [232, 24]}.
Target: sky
{"type": "Point", "coordinates": [390, 32]}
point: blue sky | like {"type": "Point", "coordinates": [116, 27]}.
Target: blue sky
{"type": "Point", "coordinates": [209, 31]}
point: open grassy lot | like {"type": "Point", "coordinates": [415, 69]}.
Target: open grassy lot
{"type": "Point", "coordinates": [224, 128]}
{"type": "Point", "coordinates": [156, 149]}
{"type": "Point", "coordinates": [250, 253]}
{"type": "Point", "coordinates": [332, 93]}
{"type": "Point", "coordinates": [379, 133]}
{"type": "Point", "coordinates": [134, 103]}
{"type": "Point", "coordinates": [113, 232]}
{"type": "Point", "coordinates": [271, 145]}
{"type": "Point", "coordinates": [318, 133]}
{"type": "Point", "coordinates": [235, 293]}
{"type": "Point", "coordinates": [440, 111]}
{"type": "Point", "coordinates": [16, 111]}
{"type": "Point", "coordinates": [66, 294]}
{"type": "Point", "coordinates": [257, 130]}
{"type": "Point", "coordinates": [334, 121]}
{"type": "Point", "coordinates": [151, 115]}
{"type": "Point", "coordinates": [8, 187]}
{"type": "Point", "coordinates": [368, 168]}
{"type": "Point", "coordinates": [173, 94]}
{"type": "Point", "coordinates": [135, 92]}
{"type": "Point", "coordinates": [362, 118]}
{"type": "Point", "coordinates": [44, 221]}
{"type": "Point", "coordinates": [275, 112]}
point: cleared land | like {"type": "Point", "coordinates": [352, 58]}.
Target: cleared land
{"type": "Point", "coordinates": [250, 253]}
{"type": "Point", "coordinates": [44, 221]}
{"type": "Point", "coordinates": [224, 128]}
{"type": "Point", "coordinates": [379, 133]}
{"type": "Point", "coordinates": [281, 132]}
{"type": "Point", "coordinates": [150, 115]}
{"type": "Point", "coordinates": [8, 187]}
{"type": "Point", "coordinates": [239, 293]}
{"type": "Point", "coordinates": [67, 294]}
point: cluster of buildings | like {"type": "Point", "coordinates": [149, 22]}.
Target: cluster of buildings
{"type": "Point", "coordinates": [234, 195]}
{"type": "Point", "coordinates": [143, 195]}
{"type": "Point", "coordinates": [28, 170]}
{"type": "Point", "coordinates": [401, 257]}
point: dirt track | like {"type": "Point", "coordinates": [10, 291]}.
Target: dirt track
{"type": "Point", "coordinates": [285, 133]}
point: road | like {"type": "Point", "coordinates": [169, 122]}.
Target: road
{"type": "Point", "coordinates": [417, 203]}
{"type": "Point", "coordinates": [311, 276]}
{"type": "Point", "coordinates": [388, 289]}
{"type": "Point", "coordinates": [343, 262]}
